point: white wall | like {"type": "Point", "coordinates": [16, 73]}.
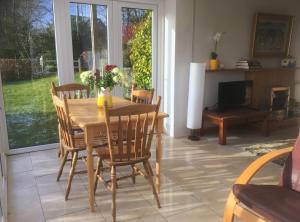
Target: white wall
{"type": "Point", "coordinates": [169, 63]}
{"type": "Point", "coordinates": [178, 55]}
{"type": "Point", "coordinates": [189, 27]}
{"type": "Point", "coordinates": [235, 17]}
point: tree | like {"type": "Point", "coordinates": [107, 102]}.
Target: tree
{"type": "Point", "coordinates": [22, 22]}
{"type": "Point", "coordinates": [141, 52]}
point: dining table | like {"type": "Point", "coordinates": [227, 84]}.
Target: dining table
{"type": "Point", "coordinates": [90, 118]}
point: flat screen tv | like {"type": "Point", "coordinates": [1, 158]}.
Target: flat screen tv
{"type": "Point", "coordinates": [232, 95]}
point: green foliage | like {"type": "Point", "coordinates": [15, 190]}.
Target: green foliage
{"type": "Point", "coordinates": [107, 81]}
{"type": "Point", "coordinates": [141, 53]}
{"type": "Point", "coordinates": [213, 55]}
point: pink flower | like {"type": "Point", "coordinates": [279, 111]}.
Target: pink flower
{"type": "Point", "coordinates": [108, 68]}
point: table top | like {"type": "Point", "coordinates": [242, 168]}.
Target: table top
{"type": "Point", "coordinates": [238, 113]}
{"type": "Point", "coordinates": [86, 113]}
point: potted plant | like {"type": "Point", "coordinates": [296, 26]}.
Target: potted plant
{"type": "Point", "coordinates": [104, 84]}
{"type": "Point", "coordinates": [214, 63]}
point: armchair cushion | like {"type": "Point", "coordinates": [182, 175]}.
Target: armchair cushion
{"type": "Point", "coordinates": [291, 171]}
{"type": "Point", "coordinates": [275, 203]}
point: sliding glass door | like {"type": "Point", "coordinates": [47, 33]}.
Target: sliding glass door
{"type": "Point", "coordinates": [27, 67]}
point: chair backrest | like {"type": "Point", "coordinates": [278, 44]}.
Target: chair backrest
{"type": "Point", "coordinates": [141, 96]}
{"type": "Point", "coordinates": [130, 131]}
{"type": "Point", "coordinates": [291, 170]}
{"type": "Point", "coordinates": [71, 91]}
{"type": "Point", "coordinates": [62, 110]}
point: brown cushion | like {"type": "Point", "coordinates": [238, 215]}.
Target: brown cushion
{"type": "Point", "coordinates": [291, 171]}
{"type": "Point", "coordinates": [274, 203]}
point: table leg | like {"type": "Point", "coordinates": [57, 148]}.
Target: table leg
{"type": "Point", "coordinates": [159, 131]}
{"type": "Point", "coordinates": [202, 130]}
{"type": "Point", "coordinates": [222, 133]}
{"type": "Point", "coordinates": [90, 167]}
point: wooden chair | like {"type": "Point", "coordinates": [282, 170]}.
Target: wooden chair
{"type": "Point", "coordinates": [70, 141]}
{"type": "Point", "coordinates": [129, 149]}
{"type": "Point", "coordinates": [71, 91]}
{"type": "Point", "coordinates": [262, 203]}
{"type": "Point", "coordinates": [141, 96]}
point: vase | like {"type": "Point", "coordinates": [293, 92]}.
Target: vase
{"type": "Point", "coordinates": [104, 96]}
{"type": "Point", "coordinates": [213, 64]}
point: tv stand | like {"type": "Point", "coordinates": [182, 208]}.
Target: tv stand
{"type": "Point", "coordinates": [235, 117]}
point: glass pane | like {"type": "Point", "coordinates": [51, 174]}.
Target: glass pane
{"type": "Point", "coordinates": [137, 45]}
{"type": "Point", "coordinates": [28, 66]}
{"type": "Point", "coordinates": [89, 37]}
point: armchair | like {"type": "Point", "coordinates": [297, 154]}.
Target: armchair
{"type": "Point", "coordinates": [262, 203]}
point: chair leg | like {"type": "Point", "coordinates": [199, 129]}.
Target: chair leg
{"type": "Point", "coordinates": [72, 156]}
{"type": "Point", "coordinates": [71, 174]}
{"type": "Point", "coordinates": [114, 191]}
{"type": "Point", "coordinates": [59, 153]}
{"type": "Point", "coordinates": [62, 165]}
{"type": "Point", "coordinates": [147, 167]}
{"type": "Point", "coordinates": [98, 171]}
{"type": "Point", "coordinates": [133, 174]}
{"type": "Point", "coordinates": [61, 150]}
{"type": "Point", "coordinates": [151, 171]}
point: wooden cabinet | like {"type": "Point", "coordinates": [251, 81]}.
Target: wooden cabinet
{"type": "Point", "coordinates": [265, 79]}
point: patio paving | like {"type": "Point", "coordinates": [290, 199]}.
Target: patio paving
{"type": "Point", "coordinates": [196, 179]}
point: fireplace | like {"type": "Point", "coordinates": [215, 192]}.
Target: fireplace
{"type": "Point", "coordinates": [279, 106]}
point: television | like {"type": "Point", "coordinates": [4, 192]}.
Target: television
{"type": "Point", "coordinates": [233, 95]}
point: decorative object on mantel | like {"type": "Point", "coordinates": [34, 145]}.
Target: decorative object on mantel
{"type": "Point", "coordinates": [288, 62]}
{"type": "Point", "coordinates": [271, 35]}
{"type": "Point", "coordinates": [111, 77]}
{"type": "Point", "coordinates": [214, 63]}
{"type": "Point", "coordinates": [248, 64]}
{"type": "Point", "coordinates": [196, 98]}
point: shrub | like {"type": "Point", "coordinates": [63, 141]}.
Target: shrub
{"type": "Point", "coordinates": [141, 53]}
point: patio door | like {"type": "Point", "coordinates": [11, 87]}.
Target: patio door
{"type": "Point", "coordinates": [27, 67]}
{"type": "Point", "coordinates": [55, 40]}
{"type": "Point", "coordinates": [92, 33]}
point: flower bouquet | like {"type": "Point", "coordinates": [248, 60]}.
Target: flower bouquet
{"type": "Point", "coordinates": [111, 77]}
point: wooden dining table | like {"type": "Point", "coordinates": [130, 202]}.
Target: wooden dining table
{"type": "Point", "coordinates": [85, 114]}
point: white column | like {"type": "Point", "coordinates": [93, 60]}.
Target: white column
{"type": "Point", "coordinates": [179, 25]}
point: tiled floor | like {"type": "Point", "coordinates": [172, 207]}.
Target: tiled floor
{"type": "Point", "coordinates": [197, 177]}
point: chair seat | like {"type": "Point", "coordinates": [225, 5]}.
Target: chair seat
{"type": "Point", "coordinates": [274, 203]}
{"type": "Point", "coordinates": [104, 154]}
{"type": "Point", "coordinates": [79, 142]}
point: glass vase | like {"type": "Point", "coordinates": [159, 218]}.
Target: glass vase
{"type": "Point", "coordinates": [104, 96]}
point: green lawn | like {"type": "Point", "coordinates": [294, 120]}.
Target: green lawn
{"type": "Point", "coordinates": [30, 115]}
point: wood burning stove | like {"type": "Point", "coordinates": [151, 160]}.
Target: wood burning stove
{"type": "Point", "coordinates": [280, 98]}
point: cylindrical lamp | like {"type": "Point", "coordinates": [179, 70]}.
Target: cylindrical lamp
{"type": "Point", "coordinates": [196, 98]}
